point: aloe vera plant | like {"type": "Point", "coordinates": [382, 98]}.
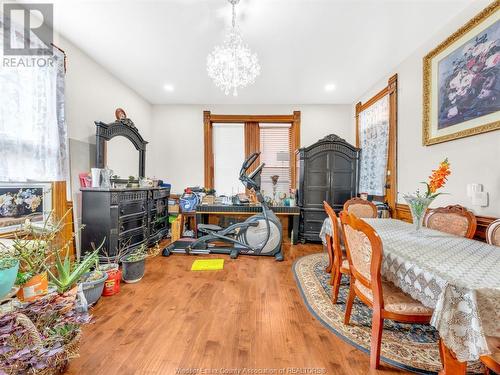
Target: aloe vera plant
{"type": "Point", "coordinates": [69, 272]}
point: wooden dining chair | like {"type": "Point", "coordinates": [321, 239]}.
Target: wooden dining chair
{"type": "Point", "coordinates": [340, 265]}
{"type": "Point", "coordinates": [361, 208]}
{"type": "Point", "coordinates": [493, 233]}
{"type": "Point", "coordinates": [365, 252]}
{"type": "Point", "coordinates": [453, 219]}
{"type": "Point", "coordinates": [492, 361]}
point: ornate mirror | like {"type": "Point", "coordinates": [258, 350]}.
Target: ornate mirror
{"type": "Point", "coordinates": [111, 149]}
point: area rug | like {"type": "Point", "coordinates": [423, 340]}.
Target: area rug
{"type": "Point", "coordinates": [412, 347]}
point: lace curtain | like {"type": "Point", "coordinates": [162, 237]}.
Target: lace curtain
{"type": "Point", "coordinates": [374, 142]}
{"type": "Point", "coordinates": [33, 137]}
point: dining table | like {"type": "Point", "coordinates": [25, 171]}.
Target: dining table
{"type": "Point", "coordinates": [459, 278]}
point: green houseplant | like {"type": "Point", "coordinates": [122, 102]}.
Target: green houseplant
{"type": "Point", "coordinates": [134, 264]}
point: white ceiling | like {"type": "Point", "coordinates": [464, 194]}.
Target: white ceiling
{"type": "Point", "coordinates": [302, 44]}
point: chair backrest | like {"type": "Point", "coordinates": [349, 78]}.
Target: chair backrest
{"type": "Point", "coordinates": [493, 233]}
{"type": "Point", "coordinates": [337, 249]}
{"type": "Point", "coordinates": [453, 219]}
{"type": "Point", "coordinates": [364, 252]}
{"type": "Point", "coordinates": [361, 208]}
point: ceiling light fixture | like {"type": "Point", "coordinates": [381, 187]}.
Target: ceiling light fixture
{"type": "Point", "coordinates": [330, 87]}
{"type": "Point", "coordinates": [168, 87]}
{"type": "Point", "coordinates": [233, 64]}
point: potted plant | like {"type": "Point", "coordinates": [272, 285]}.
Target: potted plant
{"type": "Point", "coordinates": [93, 284]}
{"type": "Point", "coordinates": [42, 336]}
{"type": "Point", "coordinates": [134, 264]}
{"type": "Point", "coordinates": [8, 272]}
{"type": "Point", "coordinates": [67, 271]}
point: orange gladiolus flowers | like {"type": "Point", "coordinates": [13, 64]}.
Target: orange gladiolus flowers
{"type": "Point", "coordinates": [439, 176]}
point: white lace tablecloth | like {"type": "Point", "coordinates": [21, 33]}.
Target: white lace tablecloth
{"type": "Point", "coordinates": [457, 277]}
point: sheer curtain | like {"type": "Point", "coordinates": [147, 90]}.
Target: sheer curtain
{"type": "Point", "coordinates": [33, 139]}
{"type": "Point", "coordinates": [374, 141]}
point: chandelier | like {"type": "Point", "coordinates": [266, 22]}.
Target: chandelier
{"type": "Point", "coordinates": [232, 64]}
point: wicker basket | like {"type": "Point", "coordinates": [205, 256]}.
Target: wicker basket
{"type": "Point", "coordinates": [62, 359]}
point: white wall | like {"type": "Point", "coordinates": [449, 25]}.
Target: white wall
{"type": "Point", "coordinates": [177, 150]}
{"type": "Point", "coordinates": [93, 94]}
{"type": "Point", "coordinates": [473, 159]}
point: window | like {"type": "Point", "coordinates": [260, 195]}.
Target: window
{"type": "Point", "coordinates": [32, 128]}
{"type": "Point", "coordinates": [277, 137]}
{"type": "Point", "coordinates": [275, 153]}
{"type": "Point", "coordinates": [376, 135]}
{"type": "Point", "coordinates": [229, 153]}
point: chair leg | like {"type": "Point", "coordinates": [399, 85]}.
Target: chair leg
{"type": "Point", "coordinates": [336, 285]}
{"type": "Point", "coordinates": [377, 328]}
{"type": "Point", "coordinates": [348, 306]}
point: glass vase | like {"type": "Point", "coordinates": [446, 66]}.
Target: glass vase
{"type": "Point", "coordinates": [418, 207]}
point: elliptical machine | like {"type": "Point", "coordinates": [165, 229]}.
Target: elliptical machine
{"type": "Point", "coordinates": [260, 234]}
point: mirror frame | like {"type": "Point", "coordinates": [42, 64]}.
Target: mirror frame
{"type": "Point", "coordinates": [122, 127]}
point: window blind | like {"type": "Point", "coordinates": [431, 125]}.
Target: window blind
{"type": "Point", "coordinates": [275, 153]}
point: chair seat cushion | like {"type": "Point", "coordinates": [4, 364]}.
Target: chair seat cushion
{"type": "Point", "coordinates": [395, 300]}
{"type": "Point", "coordinates": [344, 265]}
{"type": "Point", "coordinates": [494, 346]}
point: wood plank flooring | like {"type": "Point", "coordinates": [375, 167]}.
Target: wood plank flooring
{"type": "Point", "coordinates": [249, 315]}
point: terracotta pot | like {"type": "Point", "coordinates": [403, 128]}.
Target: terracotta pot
{"type": "Point", "coordinates": [35, 288]}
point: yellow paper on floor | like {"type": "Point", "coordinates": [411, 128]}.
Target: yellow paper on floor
{"type": "Point", "coordinates": [207, 265]}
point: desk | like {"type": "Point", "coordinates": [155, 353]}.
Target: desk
{"type": "Point", "coordinates": [293, 213]}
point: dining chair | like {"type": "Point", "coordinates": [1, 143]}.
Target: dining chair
{"type": "Point", "coordinates": [361, 208]}
{"type": "Point", "coordinates": [364, 252]}
{"type": "Point", "coordinates": [340, 264]}
{"type": "Point", "coordinates": [453, 219]}
{"type": "Point", "coordinates": [492, 361]}
{"type": "Point", "coordinates": [493, 233]}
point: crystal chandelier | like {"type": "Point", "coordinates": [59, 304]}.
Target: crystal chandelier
{"type": "Point", "coordinates": [232, 64]}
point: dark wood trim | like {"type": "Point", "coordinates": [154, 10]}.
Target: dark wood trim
{"type": "Point", "coordinates": [391, 178]}
{"type": "Point", "coordinates": [402, 212]}
{"type": "Point", "coordinates": [294, 146]}
{"type": "Point", "coordinates": [208, 152]}
{"type": "Point", "coordinates": [252, 138]}
{"type": "Point", "coordinates": [232, 119]}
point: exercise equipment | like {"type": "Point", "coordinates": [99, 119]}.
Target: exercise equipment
{"type": "Point", "coordinates": [260, 234]}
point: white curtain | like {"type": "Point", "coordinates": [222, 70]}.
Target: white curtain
{"type": "Point", "coordinates": [374, 141]}
{"type": "Point", "coordinates": [33, 139]}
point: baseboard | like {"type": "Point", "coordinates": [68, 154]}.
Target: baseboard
{"type": "Point", "coordinates": [403, 213]}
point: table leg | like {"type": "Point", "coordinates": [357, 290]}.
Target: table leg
{"type": "Point", "coordinates": [451, 365]}
{"type": "Point", "coordinates": [295, 233]}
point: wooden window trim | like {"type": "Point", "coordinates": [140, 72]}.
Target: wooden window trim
{"type": "Point", "coordinates": [252, 143]}
{"type": "Point", "coordinates": [392, 90]}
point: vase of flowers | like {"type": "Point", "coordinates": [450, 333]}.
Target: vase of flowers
{"type": "Point", "coordinates": [419, 202]}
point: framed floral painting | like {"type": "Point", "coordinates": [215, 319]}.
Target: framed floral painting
{"type": "Point", "coordinates": [22, 200]}
{"type": "Point", "coordinates": [462, 81]}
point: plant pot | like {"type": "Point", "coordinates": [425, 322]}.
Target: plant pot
{"type": "Point", "coordinates": [93, 289]}
{"type": "Point", "coordinates": [133, 271]}
{"type": "Point", "coordinates": [112, 283]}
{"type": "Point", "coordinates": [7, 277]}
{"type": "Point", "coordinates": [35, 288]}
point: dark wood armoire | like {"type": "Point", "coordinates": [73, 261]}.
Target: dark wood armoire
{"type": "Point", "coordinates": [328, 171]}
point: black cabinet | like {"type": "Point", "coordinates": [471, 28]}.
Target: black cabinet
{"type": "Point", "coordinates": [125, 218]}
{"type": "Point", "coordinates": [326, 171]}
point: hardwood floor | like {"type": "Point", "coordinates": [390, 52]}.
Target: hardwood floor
{"type": "Point", "coordinates": [249, 315]}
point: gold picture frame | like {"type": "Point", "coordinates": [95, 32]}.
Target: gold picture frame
{"type": "Point", "coordinates": [437, 125]}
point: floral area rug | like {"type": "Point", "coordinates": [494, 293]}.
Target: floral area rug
{"type": "Point", "coordinates": [412, 347]}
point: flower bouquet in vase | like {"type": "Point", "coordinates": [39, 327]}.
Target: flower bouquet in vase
{"type": "Point", "coordinates": [419, 202]}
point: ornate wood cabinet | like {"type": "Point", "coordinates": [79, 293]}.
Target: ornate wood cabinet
{"type": "Point", "coordinates": [125, 218]}
{"type": "Point", "coordinates": [328, 171]}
